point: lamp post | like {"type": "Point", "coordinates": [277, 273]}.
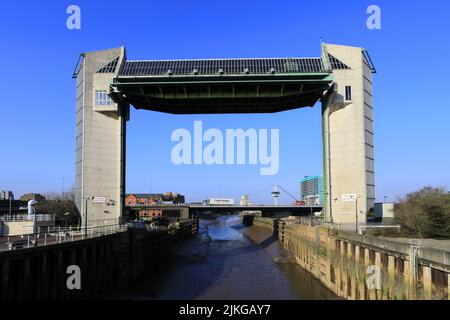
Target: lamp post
{"type": "Point", "coordinates": [356, 212]}
{"type": "Point", "coordinates": [66, 215]}
{"type": "Point", "coordinates": [85, 215]}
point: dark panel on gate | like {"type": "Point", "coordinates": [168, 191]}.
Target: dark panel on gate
{"type": "Point", "coordinates": [222, 66]}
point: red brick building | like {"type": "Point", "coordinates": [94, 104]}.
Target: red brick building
{"type": "Point", "coordinates": [152, 198]}
{"type": "Point", "coordinates": [145, 198]}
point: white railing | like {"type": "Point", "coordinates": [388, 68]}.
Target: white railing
{"type": "Point", "coordinates": [362, 227]}
{"type": "Point", "coordinates": [58, 234]}
{"type": "Point", "coordinates": [22, 217]}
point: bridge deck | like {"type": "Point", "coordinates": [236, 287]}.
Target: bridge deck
{"type": "Point", "coordinates": [221, 85]}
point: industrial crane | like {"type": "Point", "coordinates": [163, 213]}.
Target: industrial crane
{"type": "Point", "coordinates": [276, 195]}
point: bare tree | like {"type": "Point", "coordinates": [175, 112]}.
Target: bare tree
{"type": "Point", "coordinates": [62, 205]}
{"type": "Point", "coordinates": [425, 213]}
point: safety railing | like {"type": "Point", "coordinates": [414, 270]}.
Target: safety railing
{"type": "Point", "coordinates": [22, 217]}
{"type": "Point", "coordinates": [58, 234]}
{"type": "Point", "coordinates": [361, 228]}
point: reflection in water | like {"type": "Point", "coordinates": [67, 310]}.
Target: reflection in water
{"type": "Point", "coordinates": [222, 263]}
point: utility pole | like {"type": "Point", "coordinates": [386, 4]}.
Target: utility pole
{"type": "Point", "coordinates": [62, 189]}
{"type": "Point", "coordinates": [85, 216]}
{"type": "Point", "coordinates": [356, 212]}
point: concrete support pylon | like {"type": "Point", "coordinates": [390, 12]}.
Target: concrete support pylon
{"type": "Point", "coordinates": [100, 140]}
{"type": "Point", "coordinates": [347, 128]}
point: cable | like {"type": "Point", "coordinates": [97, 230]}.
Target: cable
{"type": "Point", "coordinates": [288, 193]}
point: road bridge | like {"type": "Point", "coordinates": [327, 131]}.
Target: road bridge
{"type": "Point", "coordinates": [187, 211]}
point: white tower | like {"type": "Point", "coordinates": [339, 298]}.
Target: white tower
{"type": "Point", "coordinates": [275, 194]}
{"type": "Point", "coordinates": [31, 209]}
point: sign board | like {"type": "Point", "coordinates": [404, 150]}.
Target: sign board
{"type": "Point", "coordinates": [98, 199]}
{"type": "Point", "coordinates": [349, 197]}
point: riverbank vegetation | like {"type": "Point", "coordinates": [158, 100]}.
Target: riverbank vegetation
{"type": "Point", "coordinates": [62, 205]}
{"type": "Point", "coordinates": [425, 213]}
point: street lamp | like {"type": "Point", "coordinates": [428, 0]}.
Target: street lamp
{"type": "Point", "coordinates": [356, 213]}
{"type": "Point", "coordinates": [86, 213]}
{"type": "Point", "coordinates": [66, 215]}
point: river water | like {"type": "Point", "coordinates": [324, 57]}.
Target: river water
{"type": "Point", "coordinates": [226, 260]}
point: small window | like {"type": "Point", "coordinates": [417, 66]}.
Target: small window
{"type": "Point", "coordinates": [102, 98]}
{"type": "Point", "coordinates": [348, 93]}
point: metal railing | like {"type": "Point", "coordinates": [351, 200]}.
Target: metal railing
{"type": "Point", "coordinates": [362, 228]}
{"type": "Point", "coordinates": [58, 234]}
{"type": "Point", "coordinates": [22, 217]}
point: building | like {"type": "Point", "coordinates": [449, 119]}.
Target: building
{"type": "Point", "coordinates": [340, 78]}
{"type": "Point", "coordinates": [6, 195]}
{"type": "Point", "coordinates": [312, 190]}
{"type": "Point", "coordinates": [244, 201]}
{"type": "Point", "coordinates": [32, 196]}
{"type": "Point", "coordinates": [220, 201]}
{"type": "Point", "coordinates": [12, 206]}
{"type": "Point", "coordinates": [384, 212]}
{"type": "Point", "coordinates": [152, 198]}
{"type": "Point", "coordinates": [170, 197]}
{"type": "Point", "coordinates": [145, 198]}
{"type": "Point", "coordinates": [23, 223]}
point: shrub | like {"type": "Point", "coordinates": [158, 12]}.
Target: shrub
{"type": "Point", "coordinates": [425, 213]}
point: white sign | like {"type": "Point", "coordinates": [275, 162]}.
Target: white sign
{"type": "Point", "coordinates": [99, 200]}
{"type": "Point", "coordinates": [349, 197]}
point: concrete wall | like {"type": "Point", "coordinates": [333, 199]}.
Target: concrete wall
{"type": "Point", "coordinates": [100, 143]}
{"type": "Point", "coordinates": [340, 260]}
{"type": "Point", "coordinates": [12, 228]}
{"type": "Point", "coordinates": [348, 138]}
{"type": "Point", "coordinates": [16, 228]}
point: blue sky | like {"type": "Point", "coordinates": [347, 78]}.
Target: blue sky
{"type": "Point", "coordinates": [411, 105]}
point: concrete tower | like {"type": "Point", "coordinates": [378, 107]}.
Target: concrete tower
{"type": "Point", "coordinates": [100, 139]}
{"type": "Point", "coordinates": [348, 133]}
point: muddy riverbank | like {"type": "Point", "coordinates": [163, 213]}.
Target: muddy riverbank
{"type": "Point", "coordinates": [226, 260]}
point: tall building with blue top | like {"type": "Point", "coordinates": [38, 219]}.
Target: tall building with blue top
{"type": "Point", "coordinates": [312, 191]}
